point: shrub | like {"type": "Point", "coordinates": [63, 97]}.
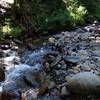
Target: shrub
{"type": "Point", "coordinates": [51, 15]}
{"type": "Point", "coordinates": [93, 8]}
{"type": "Point", "coordinates": [44, 15]}
{"type": "Point", "coordinates": [77, 12]}
{"type": "Point", "coordinates": [9, 30]}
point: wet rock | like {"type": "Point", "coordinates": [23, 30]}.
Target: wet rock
{"type": "Point", "coordinates": [56, 61]}
{"type": "Point", "coordinates": [96, 53]}
{"type": "Point", "coordinates": [30, 46]}
{"type": "Point", "coordinates": [9, 60]}
{"type": "Point", "coordinates": [83, 53]}
{"type": "Point", "coordinates": [85, 36]}
{"type": "Point", "coordinates": [51, 40]}
{"type": "Point", "coordinates": [84, 83]}
{"type": "Point", "coordinates": [17, 41]}
{"type": "Point", "coordinates": [15, 48]}
{"type": "Point", "coordinates": [57, 36]}
{"type": "Point", "coordinates": [87, 66]}
{"type": "Point", "coordinates": [33, 80]}
{"type": "Point", "coordinates": [50, 97]}
{"type": "Point", "coordinates": [52, 85]}
{"type": "Point", "coordinates": [31, 94]}
{"type": "Point", "coordinates": [64, 91]}
{"type": "Point", "coordinates": [60, 42]}
{"type": "Point", "coordinates": [76, 69]}
{"type": "Point", "coordinates": [73, 59]}
{"type": "Point", "coordinates": [1, 53]}
{"type": "Point", "coordinates": [44, 87]}
{"type": "Point", "coordinates": [89, 28]}
{"type": "Point", "coordinates": [5, 47]}
{"type": "Point", "coordinates": [2, 74]}
{"type": "Point", "coordinates": [72, 71]}
{"type": "Point", "coordinates": [7, 95]}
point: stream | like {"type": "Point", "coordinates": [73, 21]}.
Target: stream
{"type": "Point", "coordinates": [16, 67]}
{"type": "Point", "coordinates": [68, 67]}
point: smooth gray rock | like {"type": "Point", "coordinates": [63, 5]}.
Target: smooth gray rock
{"type": "Point", "coordinates": [96, 53]}
{"type": "Point", "coordinates": [56, 61]}
{"type": "Point", "coordinates": [51, 40]}
{"type": "Point", "coordinates": [84, 83]}
{"type": "Point", "coordinates": [64, 91]}
{"type": "Point", "coordinates": [73, 59]}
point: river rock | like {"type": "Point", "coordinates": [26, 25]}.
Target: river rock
{"type": "Point", "coordinates": [64, 91]}
{"type": "Point", "coordinates": [96, 53]}
{"type": "Point", "coordinates": [31, 94]}
{"type": "Point", "coordinates": [87, 66]}
{"type": "Point", "coordinates": [30, 46]}
{"type": "Point", "coordinates": [1, 53]}
{"type": "Point", "coordinates": [56, 61]}
{"type": "Point", "coordinates": [2, 74]}
{"type": "Point", "coordinates": [51, 40]}
{"type": "Point", "coordinates": [84, 83]}
{"type": "Point", "coordinates": [10, 96]}
{"type": "Point", "coordinates": [83, 53]}
{"type": "Point", "coordinates": [50, 97]}
{"type": "Point", "coordinates": [33, 79]}
{"type": "Point", "coordinates": [73, 59]}
{"type": "Point", "coordinates": [52, 85]}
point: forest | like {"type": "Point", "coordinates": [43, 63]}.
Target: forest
{"type": "Point", "coordinates": [49, 49]}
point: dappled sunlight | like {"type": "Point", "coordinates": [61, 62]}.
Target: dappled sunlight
{"type": "Point", "coordinates": [49, 49]}
{"type": "Point", "coordinates": [7, 1]}
{"type": "Point", "coordinates": [5, 4]}
{"type": "Point", "coordinates": [6, 29]}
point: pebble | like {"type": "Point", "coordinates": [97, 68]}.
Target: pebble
{"type": "Point", "coordinates": [47, 66]}
{"type": "Point", "coordinates": [52, 40]}
{"type": "Point", "coordinates": [56, 61]}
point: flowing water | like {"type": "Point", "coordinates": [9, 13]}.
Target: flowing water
{"type": "Point", "coordinates": [27, 63]}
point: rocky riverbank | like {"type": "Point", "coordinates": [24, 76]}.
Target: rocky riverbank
{"type": "Point", "coordinates": [66, 68]}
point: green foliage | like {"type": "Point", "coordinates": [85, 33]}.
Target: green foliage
{"type": "Point", "coordinates": [16, 32]}
{"type": "Point", "coordinates": [10, 31]}
{"type": "Point", "coordinates": [97, 12]}
{"type": "Point", "coordinates": [45, 15]}
{"type": "Point", "coordinates": [93, 8]}
{"type": "Point", "coordinates": [77, 12]}
{"type": "Point", "coordinates": [42, 16]}
{"type": "Point", "coordinates": [1, 35]}
{"type": "Point", "coordinates": [56, 21]}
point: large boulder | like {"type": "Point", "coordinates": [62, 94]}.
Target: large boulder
{"type": "Point", "coordinates": [84, 83]}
